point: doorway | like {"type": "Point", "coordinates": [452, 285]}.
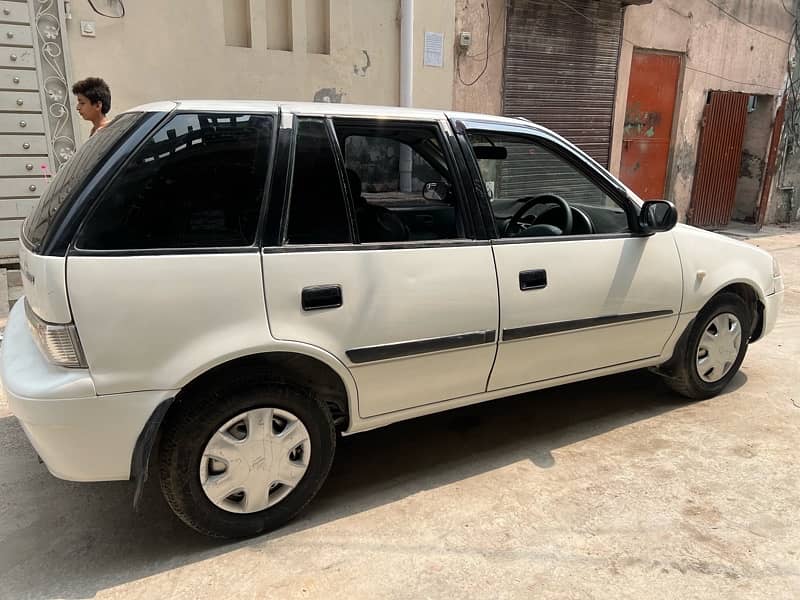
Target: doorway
{"type": "Point", "coordinates": [736, 132]}
{"type": "Point", "coordinates": [649, 113]}
{"type": "Point", "coordinates": [757, 132]}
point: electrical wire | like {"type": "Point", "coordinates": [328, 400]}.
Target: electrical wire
{"type": "Point", "coordinates": [732, 80]}
{"type": "Point", "coordinates": [488, 40]}
{"type": "Point", "coordinates": [791, 91]}
{"type": "Point", "coordinates": [480, 55]}
{"type": "Point", "coordinates": [745, 23]}
{"type": "Point", "coordinates": [102, 14]}
{"type": "Point", "coordinates": [577, 12]}
{"type": "Point", "coordinates": [789, 43]}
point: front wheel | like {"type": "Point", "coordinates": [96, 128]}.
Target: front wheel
{"type": "Point", "coordinates": [243, 457]}
{"type": "Point", "coordinates": [714, 349]}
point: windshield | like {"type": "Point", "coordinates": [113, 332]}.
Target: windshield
{"type": "Point", "coordinates": [73, 175]}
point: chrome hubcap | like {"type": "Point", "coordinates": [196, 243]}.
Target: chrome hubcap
{"type": "Point", "coordinates": [719, 347]}
{"type": "Point", "coordinates": [255, 460]}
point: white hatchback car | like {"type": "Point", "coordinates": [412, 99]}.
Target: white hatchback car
{"type": "Point", "coordinates": [222, 287]}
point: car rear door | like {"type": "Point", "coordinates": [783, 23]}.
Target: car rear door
{"type": "Point", "coordinates": [598, 297]}
{"type": "Point", "coordinates": [414, 320]}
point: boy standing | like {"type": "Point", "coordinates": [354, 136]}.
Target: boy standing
{"type": "Point", "coordinates": [94, 101]}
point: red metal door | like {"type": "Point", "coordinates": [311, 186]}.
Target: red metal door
{"type": "Point", "coordinates": [719, 159]}
{"type": "Point", "coordinates": [648, 122]}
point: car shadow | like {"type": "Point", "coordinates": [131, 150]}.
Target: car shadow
{"type": "Point", "coordinates": [71, 540]}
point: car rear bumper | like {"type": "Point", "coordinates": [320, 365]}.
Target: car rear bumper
{"type": "Point", "coordinates": [79, 435]}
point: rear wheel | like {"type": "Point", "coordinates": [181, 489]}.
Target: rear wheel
{"type": "Point", "coordinates": [245, 456]}
{"type": "Point", "coordinates": [714, 349]}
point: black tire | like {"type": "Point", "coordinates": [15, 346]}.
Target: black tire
{"type": "Point", "coordinates": [684, 378]}
{"type": "Point", "coordinates": [189, 427]}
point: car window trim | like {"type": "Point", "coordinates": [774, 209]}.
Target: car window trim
{"type": "Point", "coordinates": [268, 175]}
{"type": "Point", "coordinates": [581, 237]}
{"type": "Point", "coordinates": [451, 243]}
{"type": "Point", "coordinates": [280, 183]}
{"type": "Point", "coordinates": [297, 119]}
{"type": "Point", "coordinates": [341, 172]}
{"type": "Point", "coordinates": [470, 172]}
{"type": "Point", "coordinates": [472, 203]}
{"type": "Point", "coordinates": [588, 170]}
{"type": "Point", "coordinates": [286, 151]}
{"type": "Point", "coordinates": [75, 250]}
{"type": "Point", "coordinates": [165, 251]}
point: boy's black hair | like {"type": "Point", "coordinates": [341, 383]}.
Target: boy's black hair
{"type": "Point", "coordinates": [96, 90]}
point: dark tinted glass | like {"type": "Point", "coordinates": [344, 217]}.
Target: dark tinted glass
{"type": "Point", "coordinates": [73, 174]}
{"type": "Point", "coordinates": [400, 182]}
{"type": "Point", "coordinates": [197, 183]}
{"type": "Point", "coordinates": [317, 212]}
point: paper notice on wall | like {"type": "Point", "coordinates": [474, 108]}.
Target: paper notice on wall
{"type": "Point", "coordinates": [433, 55]}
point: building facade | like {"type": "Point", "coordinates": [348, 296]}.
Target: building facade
{"type": "Point", "coordinates": [680, 98]}
{"type": "Point", "coordinates": [725, 65]}
{"type": "Point", "coordinates": [683, 99]}
{"type": "Point", "coordinates": [314, 50]}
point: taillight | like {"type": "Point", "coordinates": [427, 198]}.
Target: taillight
{"type": "Point", "coordinates": [59, 343]}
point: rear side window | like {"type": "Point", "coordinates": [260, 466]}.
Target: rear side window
{"type": "Point", "coordinates": [72, 176]}
{"type": "Point", "coordinates": [198, 182]}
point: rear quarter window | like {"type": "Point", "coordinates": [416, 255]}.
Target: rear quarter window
{"type": "Point", "coordinates": [197, 182]}
{"type": "Point", "coordinates": [73, 175]}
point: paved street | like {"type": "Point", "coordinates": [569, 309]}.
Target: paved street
{"type": "Point", "coordinates": [606, 489]}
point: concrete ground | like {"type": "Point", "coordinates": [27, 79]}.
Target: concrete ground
{"type": "Point", "coordinates": [606, 489]}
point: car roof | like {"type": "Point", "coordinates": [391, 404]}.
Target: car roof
{"type": "Point", "coordinates": [327, 109]}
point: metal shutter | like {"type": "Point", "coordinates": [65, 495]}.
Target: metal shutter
{"type": "Point", "coordinates": [561, 68]}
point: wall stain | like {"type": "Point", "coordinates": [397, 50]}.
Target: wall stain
{"type": "Point", "coordinates": [752, 166]}
{"type": "Point", "coordinates": [638, 121]}
{"type": "Point", "coordinates": [328, 95]}
{"type": "Point", "coordinates": [685, 159]}
{"type": "Point", "coordinates": [361, 70]}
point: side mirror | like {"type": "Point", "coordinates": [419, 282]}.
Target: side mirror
{"type": "Point", "coordinates": [657, 215]}
{"type": "Point", "coordinates": [434, 190]}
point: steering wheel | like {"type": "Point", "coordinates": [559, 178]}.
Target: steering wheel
{"type": "Point", "coordinates": [516, 226]}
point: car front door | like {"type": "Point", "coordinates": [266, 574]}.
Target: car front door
{"type": "Point", "coordinates": [358, 262]}
{"type": "Point", "coordinates": [576, 294]}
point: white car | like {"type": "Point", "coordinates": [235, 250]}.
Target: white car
{"type": "Point", "coordinates": [222, 287]}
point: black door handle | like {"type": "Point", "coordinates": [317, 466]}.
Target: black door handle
{"type": "Point", "coordinates": [535, 279]}
{"type": "Point", "coordinates": [317, 297]}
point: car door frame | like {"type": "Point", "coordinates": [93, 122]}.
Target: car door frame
{"type": "Point", "coordinates": [274, 242]}
{"type": "Point", "coordinates": [613, 189]}
{"type": "Point", "coordinates": [563, 149]}
{"type": "Point", "coordinates": [273, 232]}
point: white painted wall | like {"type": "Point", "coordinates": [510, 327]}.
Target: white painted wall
{"type": "Point", "coordinates": [176, 49]}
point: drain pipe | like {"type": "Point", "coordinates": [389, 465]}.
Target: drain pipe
{"type": "Point", "coordinates": [406, 83]}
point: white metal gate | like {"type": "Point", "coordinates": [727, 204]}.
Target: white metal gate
{"type": "Point", "coordinates": [37, 128]}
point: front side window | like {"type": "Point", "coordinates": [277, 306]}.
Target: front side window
{"type": "Point", "coordinates": [534, 192]}
{"type": "Point", "coordinates": [198, 182]}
